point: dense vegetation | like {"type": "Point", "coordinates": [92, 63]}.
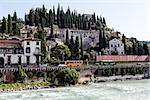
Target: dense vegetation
{"type": "Point", "coordinates": [42, 17]}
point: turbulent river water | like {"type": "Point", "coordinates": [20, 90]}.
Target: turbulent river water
{"type": "Point", "coordinates": [119, 90]}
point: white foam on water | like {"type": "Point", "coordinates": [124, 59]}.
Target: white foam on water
{"type": "Point", "coordinates": [125, 90]}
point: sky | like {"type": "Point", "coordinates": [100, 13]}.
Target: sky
{"type": "Point", "coordinates": [131, 17]}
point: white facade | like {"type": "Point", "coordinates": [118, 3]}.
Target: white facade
{"type": "Point", "coordinates": [116, 45]}
{"type": "Point", "coordinates": [30, 53]}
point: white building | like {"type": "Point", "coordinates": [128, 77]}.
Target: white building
{"type": "Point", "coordinates": [15, 51]}
{"type": "Point", "coordinates": [116, 47]}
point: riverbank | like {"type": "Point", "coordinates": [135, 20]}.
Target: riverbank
{"type": "Point", "coordinates": [23, 86]}
{"type": "Point", "coordinates": [42, 85]}
{"type": "Point", "coordinates": [119, 77]}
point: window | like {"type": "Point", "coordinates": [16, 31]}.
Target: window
{"type": "Point", "coordinates": [28, 43]}
{"type": "Point", "coordinates": [118, 45]}
{"type": "Point", "coordinates": [19, 60]}
{"type": "Point", "coordinates": [37, 43]}
{"type": "Point", "coordinates": [9, 60]}
{"type": "Point", "coordinates": [28, 50]}
{"type": "Point", "coordinates": [111, 45]}
{"type": "Point", "coordinates": [28, 60]}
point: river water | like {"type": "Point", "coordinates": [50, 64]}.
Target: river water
{"type": "Point", "coordinates": [120, 90]}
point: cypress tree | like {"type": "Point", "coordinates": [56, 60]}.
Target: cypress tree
{"type": "Point", "coordinates": [67, 38]}
{"type": "Point", "coordinates": [146, 50]}
{"type": "Point", "coordinates": [77, 48]}
{"type": "Point", "coordinates": [31, 17]}
{"type": "Point", "coordinates": [15, 16]}
{"type": "Point", "coordinates": [81, 46]}
{"type": "Point", "coordinates": [37, 17]}
{"type": "Point", "coordinates": [124, 42]}
{"type": "Point", "coordinates": [58, 16]}
{"type": "Point", "coordinates": [50, 17]}
{"type": "Point", "coordinates": [62, 19]}
{"type": "Point", "coordinates": [104, 22]}
{"type": "Point", "coordinates": [26, 19]}
{"type": "Point", "coordinates": [9, 24]}
{"type": "Point", "coordinates": [93, 18]}
{"type": "Point", "coordinates": [4, 25]}
{"type": "Point", "coordinates": [72, 46]}
{"type": "Point", "coordinates": [54, 14]}
{"type": "Point", "coordinates": [100, 41]}
{"type": "Point", "coordinates": [104, 41]}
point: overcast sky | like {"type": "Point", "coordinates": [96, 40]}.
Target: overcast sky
{"type": "Point", "coordinates": [131, 17]}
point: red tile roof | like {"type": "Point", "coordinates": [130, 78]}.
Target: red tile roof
{"type": "Point", "coordinates": [123, 58]}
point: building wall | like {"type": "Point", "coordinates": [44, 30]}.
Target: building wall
{"type": "Point", "coordinates": [115, 43]}
{"type": "Point", "coordinates": [89, 37]}
{"type": "Point", "coordinates": [14, 58]}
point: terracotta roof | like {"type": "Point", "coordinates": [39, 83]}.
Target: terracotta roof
{"type": "Point", "coordinates": [122, 58]}
{"type": "Point", "coordinates": [10, 41]}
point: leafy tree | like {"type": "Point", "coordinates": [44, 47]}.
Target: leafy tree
{"type": "Point", "coordinates": [68, 77]}
{"type": "Point", "coordinates": [21, 74]}
{"type": "Point", "coordinates": [30, 74]}
{"type": "Point", "coordinates": [62, 52]}
{"type": "Point", "coordinates": [9, 24]}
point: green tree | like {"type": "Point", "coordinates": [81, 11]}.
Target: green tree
{"type": "Point", "coordinates": [62, 52]}
{"type": "Point", "coordinates": [58, 16]}
{"type": "Point", "coordinates": [140, 50]}
{"type": "Point", "coordinates": [68, 77]}
{"type": "Point", "coordinates": [37, 18]}
{"type": "Point", "coordinates": [81, 46]}
{"type": "Point", "coordinates": [31, 17]}
{"type": "Point", "coordinates": [67, 38]}
{"type": "Point", "coordinates": [104, 21]}
{"type": "Point", "coordinates": [146, 50]}
{"type": "Point", "coordinates": [100, 41]}
{"type": "Point", "coordinates": [71, 47]}
{"type": "Point", "coordinates": [9, 24]}
{"type": "Point", "coordinates": [54, 19]}
{"type": "Point", "coordinates": [4, 25]}
{"type": "Point", "coordinates": [104, 40]}
{"type": "Point", "coordinates": [15, 26]}
{"type": "Point", "coordinates": [21, 74]}
{"type": "Point", "coordinates": [76, 49]}
{"type": "Point", "coordinates": [124, 42]}
{"type": "Point", "coordinates": [14, 16]}
{"type": "Point", "coordinates": [50, 18]}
